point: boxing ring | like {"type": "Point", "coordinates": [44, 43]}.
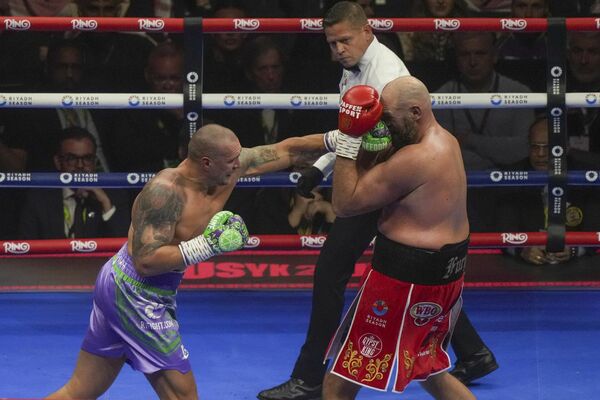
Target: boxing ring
{"type": "Point", "coordinates": [243, 341]}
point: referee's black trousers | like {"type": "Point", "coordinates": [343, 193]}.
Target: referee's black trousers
{"type": "Point", "coordinates": [346, 241]}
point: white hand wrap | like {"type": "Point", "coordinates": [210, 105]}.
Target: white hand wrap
{"type": "Point", "coordinates": [330, 139]}
{"type": "Point", "coordinates": [196, 250]}
{"type": "Point", "coordinates": [348, 146]}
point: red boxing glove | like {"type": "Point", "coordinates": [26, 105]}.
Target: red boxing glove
{"type": "Point", "coordinates": [360, 110]}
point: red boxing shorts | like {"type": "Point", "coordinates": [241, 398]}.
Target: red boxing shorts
{"type": "Point", "coordinates": [403, 315]}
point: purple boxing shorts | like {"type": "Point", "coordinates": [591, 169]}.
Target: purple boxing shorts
{"type": "Point", "coordinates": [133, 316]}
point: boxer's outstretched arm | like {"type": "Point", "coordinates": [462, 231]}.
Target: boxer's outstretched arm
{"type": "Point", "coordinates": [275, 157]}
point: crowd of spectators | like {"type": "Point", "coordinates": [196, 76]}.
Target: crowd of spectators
{"type": "Point", "coordinates": [149, 140]}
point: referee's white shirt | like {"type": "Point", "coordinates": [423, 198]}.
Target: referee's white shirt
{"type": "Point", "coordinates": [377, 67]}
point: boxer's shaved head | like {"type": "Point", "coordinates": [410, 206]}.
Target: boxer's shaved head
{"type": "Point", "coordinates": [407, 91]}
{"type": "Point", "coordinates": [209, 141]}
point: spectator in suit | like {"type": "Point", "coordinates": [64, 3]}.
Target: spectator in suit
{"type": "Point", "coordinates": [154, 134]}
{"type": "Point", "coordinates": [223, 70]}
{"type": "Point", "coordinates": [525, 45]}
{"type": "Point", "coordinates": [523, 54]}
{"type": "Point", "coordinates": [65, 71]}
{"type": "Point", "coordinates": [574, 8]}
{"type": "Point", "coordinates": [427, 53]}
{"type": "Point", "coordinates": [265, 70]}
{"type": "Point", "coordinates": [23, 53]}
{"type": "Point", "coordinates": [223, 67]}
{"type": "Point", "coordinates": [489, 138]}
{"type": "Point", "coordinates": [526, 209]}
{"type": "Point", "coordinates": [73, 212]}
{"type": "Point", "coordinates": [583, 55]}
{"type": "Point", "coordinates": [13, 158]}
{"type": "Point", "coordinates": [390, 40]}
{"type": "Point", "coordinates": [488, 8]}
{"type": "Point", "coordinates": [117, 59]}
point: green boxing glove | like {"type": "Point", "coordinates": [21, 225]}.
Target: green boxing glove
{"type": "Point", "coordinates": [225, 232]}
{"type": "Point", "coordinates": [377, 139]}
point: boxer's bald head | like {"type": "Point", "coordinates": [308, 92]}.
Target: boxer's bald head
{"type": "Point", "coordinates": [406, 106]}
{"type": "Point", "coordinates": [211, 141]}
{"type": "Point", "coordinates": [215, 151]}
{"type": "Point", "coordinates": [406, 91]}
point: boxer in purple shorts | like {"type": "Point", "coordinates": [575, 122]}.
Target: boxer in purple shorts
{"type": "Point", "coordinates": [176, 221]}
{"type": "Point", "coordinates": [143, 327]}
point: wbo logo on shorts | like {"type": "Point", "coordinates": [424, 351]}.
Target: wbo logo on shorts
{"type": "Point", "coordinates": [424, 312]}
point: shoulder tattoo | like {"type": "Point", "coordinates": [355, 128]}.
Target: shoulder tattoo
{"type": "Point", "coordinates": [157, 210]}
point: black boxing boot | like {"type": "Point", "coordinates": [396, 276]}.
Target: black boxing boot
{"type": "Point", "coordinates": [476, 366]}
{"type": "Point", "coordinates": [292, 389]}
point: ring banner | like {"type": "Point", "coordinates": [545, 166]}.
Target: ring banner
{"type": "Point", "coordinates": [279, 101]}
{"type": "Point", "coordinates": [274, 179]}
{"type": "Point", "coordinates": [557, 127]}
{"type": "Point", "coordinates": [192, 86]}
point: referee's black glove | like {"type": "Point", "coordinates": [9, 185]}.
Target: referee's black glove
{"type": "Point", "coordinates": [310, 179]}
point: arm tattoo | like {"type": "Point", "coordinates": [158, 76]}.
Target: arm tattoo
{"type": "Point", "coordinates": [264, 154]}
{"type": "Point", "coordinates": [260, 155]}
{"type": "Point", "coordinates": [157, 211]}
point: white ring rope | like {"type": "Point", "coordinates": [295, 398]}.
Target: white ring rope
{"type": "Point", "coordinates": [314, 101]}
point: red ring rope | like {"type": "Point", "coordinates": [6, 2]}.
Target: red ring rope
{"type": "Point", "coordinates": [281, 242]}
{"type": "Point", "coordinates": [213, 25]}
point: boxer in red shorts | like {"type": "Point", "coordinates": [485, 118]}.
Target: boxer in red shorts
{"type": "Point", "coordinates": [405, 310]}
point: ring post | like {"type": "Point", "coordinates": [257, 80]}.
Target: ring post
{"type": "Point", "coordinates": [557, 127]}
{"type": "Point", "coordinates": [192, 89]}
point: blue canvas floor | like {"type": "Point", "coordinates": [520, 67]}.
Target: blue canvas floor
{"type": "Point", "coordinates": [243, 342]}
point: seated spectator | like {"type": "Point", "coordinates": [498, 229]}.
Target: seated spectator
{"type": "Point", "coordinates": [13, 158]}
{"type": "Point", "coordinates": [282, 211]}
{"type": "Point", "coordinates": [523, 54]}
{"type": "Point", "coordinates": [40, 8]}
{"type": "Point", "coordinates": [152, 134]}
{"type": "Point", "coordinates": [65, 71]}
{"type": "Point", "coordinates": [223, 71]}
{"type": "Point", "coordinates": [312, 65]}
{"type": "Point", "coordinates": [74, 212]}
{"type": "Point", "coordinates": [427, 53]}
{"type": "Point", "coordinates": [583, 55]}
{"type": "Point", "coordinates": [526, 210]}
{"type": "Point", "coordinates": [525, 45]}
{"type": "Point", "coordinates": [265, 72]}
{"type": "Point", "coordinates": [13, 153]}
{"type": "Point", "coordinates": [393, 9]}
{"type": "Point", "coordinates": [23, 53]}
{"type": "Point", "coordinates": [574, 8]}
{"type": "Point", "coordinates": [488, 8]}
{"type": "Point", "coordinates": [489, 138]}
{"type": "Point", "coordinates": [390, 40]}
{"type": "Point", "coordinates": [311, 216]}
{"type": "Point", "coordinates": [117, 59]}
